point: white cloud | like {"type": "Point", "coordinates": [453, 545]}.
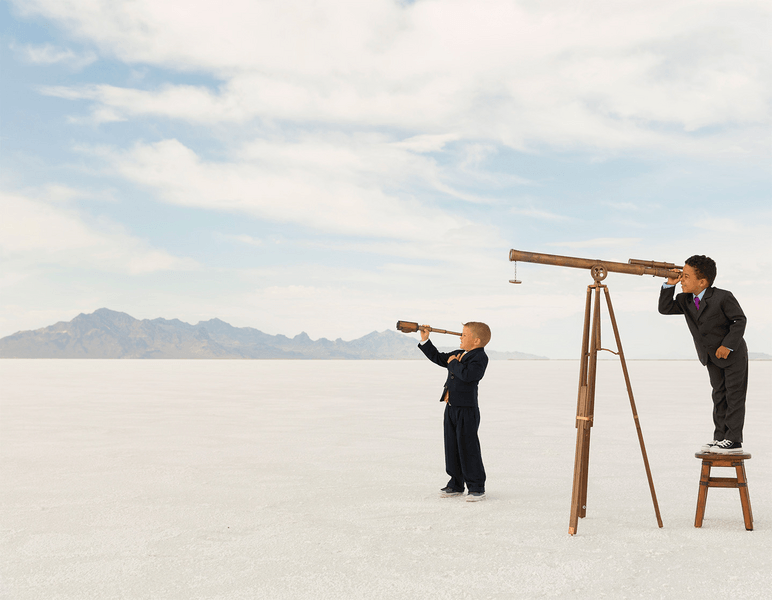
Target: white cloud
{"type": "Point", "coordinates": [426, 143]}
{"type": "Point", "coordinates": [339, 184]}
{"type": "Point", "coordinates": [536, 213]}
{"type": "Point", "coordinates": [723, 225]}
{"type": "Point", "coordinates": [607, 75]}
{"type": "Point", "coordinates": [607, 242]}
{"type": "Point", "coordinates": [35, 232]}
{"type": "Point", "coordinates": [48, 54]}
{"type": "Point", "coordinates": [375, 129]}
{"type": "Point", "coordinates": [241, 239]}
{"type": "Point", "coordinates": [60, 193]}
{"type": "Point", "coordinates": [189, 103]}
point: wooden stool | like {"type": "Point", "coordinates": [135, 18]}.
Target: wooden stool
{"type": "Point", "coordinates": [737, 461]}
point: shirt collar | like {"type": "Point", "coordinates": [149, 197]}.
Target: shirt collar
{"type": "Point", "coordinates": [701, 294]}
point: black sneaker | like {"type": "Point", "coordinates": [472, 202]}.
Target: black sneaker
{"type": "Point", "coordinates": [475, 496]}
{"type": "Point", "coordinates": [727, 447]}
{"type": "Point", "coordinates": [449, 492]}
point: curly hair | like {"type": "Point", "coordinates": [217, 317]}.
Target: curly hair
{"type": "Point", "coordinates": [704, 267]}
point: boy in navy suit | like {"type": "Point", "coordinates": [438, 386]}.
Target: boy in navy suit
{"type": "Point", "coordinates": [717, 324]}
{"type": "Point", "coordinates": [466, 367]}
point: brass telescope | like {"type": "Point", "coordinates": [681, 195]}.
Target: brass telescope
{"type": "Point", "coordinates": [598, 268]}
{"type": "Point", "coordinates": [591, 346]}
{"type": "Point", "coordinates": [408, 327]}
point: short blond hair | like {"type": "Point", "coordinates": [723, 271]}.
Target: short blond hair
{"type": "Point", "coordinates": [480, 331]}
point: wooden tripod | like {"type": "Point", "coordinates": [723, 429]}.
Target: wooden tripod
{"type": "Point", "coordinates": [585, 409]}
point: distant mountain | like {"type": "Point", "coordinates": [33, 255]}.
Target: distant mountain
{"type": "Point", "coordinates": [109, 334]}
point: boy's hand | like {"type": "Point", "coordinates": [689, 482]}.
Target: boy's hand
{"type": "Point", "coordinates": [676, 277]}
{"type": "Point", "coordinates": [452, 358]}
{"type": "Point", "coordinates": [722, 352]}
{"type": "Point", "coordinates": [424, 329]}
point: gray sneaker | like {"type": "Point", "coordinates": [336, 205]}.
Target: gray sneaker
{"type": "Point", "coordinates": [475, 496]}
{"type": "Point", "coordinates": [449, 492]}
{"type": "Point", "coordinates": [709, 446]}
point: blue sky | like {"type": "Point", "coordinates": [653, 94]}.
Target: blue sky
{"type": "Point", "coordinates": [332, 167]}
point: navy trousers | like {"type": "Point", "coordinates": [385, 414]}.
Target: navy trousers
{"type": "Point", "coordinates": [730, 384]}
{"type": "Point", "coordinates": [463, 458]}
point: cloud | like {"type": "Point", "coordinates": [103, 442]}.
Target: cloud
{"type": "Point", "coordinates": [184, 102]}
{"type": "Point", "coordinates": [537, 213]}
{"type": "Point", "coordinates": [63, 194]}
{"type": "Point", "coordinates": [354, 185]}
{"type": "Point", "coordinates": [723, 225]}
{"type": "Point", "coordinates": [375, 131]}
{"type": "Point", "coordinates": [33, 232]}
{"type": "Point", "coordinates": [241, 239]}
{"type": "Point", "coordinates": [604, 75]}
{"type": "Point", "coordinates": [48, 54]}
{"type": "Point", "coordinates": [598, 243]}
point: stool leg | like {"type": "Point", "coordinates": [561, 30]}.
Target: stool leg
{"type": "Point", "coordinates": [745, 497]}
{"type": "Point", "coordinates": [702, 496]}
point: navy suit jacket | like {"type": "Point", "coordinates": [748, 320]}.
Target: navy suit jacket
{"type": "Point", "coordinates": [463, 375]}
{"type": "Point", "coordinates": [719, 322]}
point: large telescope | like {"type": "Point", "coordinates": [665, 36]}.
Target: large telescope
{"type": "Point", "coordinates": [591, 345]}
{"type": "Point", "coordinates": [598, 268]}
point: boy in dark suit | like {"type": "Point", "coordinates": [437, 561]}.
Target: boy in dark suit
{"type": "Point", "coordinates": [466, 367]}
{"type": "Point", "coordinates": [717, 324]}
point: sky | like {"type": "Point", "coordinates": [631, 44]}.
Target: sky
{"type": "Point", "coordinates": [331, 167]}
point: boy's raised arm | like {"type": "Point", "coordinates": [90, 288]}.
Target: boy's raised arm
{"type": "Point", "coordinates": [667, 304]}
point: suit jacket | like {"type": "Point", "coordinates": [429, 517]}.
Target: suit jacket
{"type": "Point", "coordinates": [463, 375]}
{"type": "Point", "coordinates": [719, 322]}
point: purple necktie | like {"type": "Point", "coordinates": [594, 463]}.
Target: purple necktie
{"type": "Point", "coordinates": [697, 302]}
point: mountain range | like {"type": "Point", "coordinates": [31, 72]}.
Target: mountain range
{"type": "Point", "coordinates": [107, 333]}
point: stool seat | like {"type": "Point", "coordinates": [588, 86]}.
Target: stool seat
{"type": "Point", "coordinates": [713, 459]}
{"type": "Point", "coordinates": [715, 456]}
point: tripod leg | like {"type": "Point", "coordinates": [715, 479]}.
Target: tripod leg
{"type": "Point", "coordinates": [632, 406]}
{"type": "Point", "coordinates": [592, 368]}
{"type": "Point", "coordinates": [585, 347]}
{"type": "Point", "coordinates": [583, 420]}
